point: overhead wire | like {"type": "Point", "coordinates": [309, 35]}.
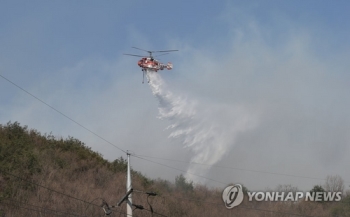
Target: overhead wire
{"type": "Point", "coordinates": [210, 179]}
{"type": "Point", "coordinates": [148, 193]}
{"type": "Point", "coordinates": [220, 204]}
{"type": "Point", "coordinates": [69, 118]}
{"type": "Point", "coordinates": [61, 113]}
{"type": "Point", "coordinates": [140, 156]}
{"type": "Point", "coordinates": [110, 143]}
{"type": "Point", "coordinates": [174, 168]}
{"type": "Point", "coordinates": [233, 168]}
{"type": "Point", "coordinates": [92, 202]}
{"type": "Point", "coordinates": [240, 207]}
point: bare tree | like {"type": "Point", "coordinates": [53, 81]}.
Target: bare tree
{"type": "Point", "coordinates": [334, 184]}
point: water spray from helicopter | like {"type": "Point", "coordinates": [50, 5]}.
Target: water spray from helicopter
{"type": "Point", "coordinates": [209, 132]}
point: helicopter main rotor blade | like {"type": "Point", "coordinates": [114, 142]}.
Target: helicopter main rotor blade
{"type": "Point", "coordinates": [142, 49]}
{"type": "Point", "coordinates": [159, 51]}
{"type": "Point", "coordinates": [133, 55]}
{"type": "Point", "coordinates": [154, 51]}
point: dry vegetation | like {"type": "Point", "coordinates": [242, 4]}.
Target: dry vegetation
{"type": "Point", "coordinates": [44, 176]}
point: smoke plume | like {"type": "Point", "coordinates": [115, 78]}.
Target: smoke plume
{"type": "Point", "coordinates": [208, 131]}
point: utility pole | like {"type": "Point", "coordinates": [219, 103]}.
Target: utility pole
{"type": "Point", "coordinates": [127, 197]}
{"type": "Point", "coordinates": [128, 189]}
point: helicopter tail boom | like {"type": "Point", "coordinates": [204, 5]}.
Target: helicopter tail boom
{"type": "Point", "coordinates": [168, 66]}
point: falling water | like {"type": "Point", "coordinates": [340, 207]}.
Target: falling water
{"type": "Point", "coordinates": [208, 132]}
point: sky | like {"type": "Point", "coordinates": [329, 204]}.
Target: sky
{"type": "Point", "coordinates": [267, 83]}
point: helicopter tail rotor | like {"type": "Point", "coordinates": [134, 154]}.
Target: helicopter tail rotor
{"type": "Point", "coordinates": [169, 66]}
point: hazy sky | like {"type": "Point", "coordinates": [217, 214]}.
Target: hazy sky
{"type": "Point", "coordinates": [282, 65]}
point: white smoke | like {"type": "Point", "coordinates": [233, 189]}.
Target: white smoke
{"type": "Point", "coordinates": [209, 132]}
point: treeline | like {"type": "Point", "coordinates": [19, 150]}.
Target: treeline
{"type": "Point", "coordinates": [41, 175]}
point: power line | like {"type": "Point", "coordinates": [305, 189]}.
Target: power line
{"type": "Point", "coordinates": [69, 118]}
{"type": "Point", "coordinates": [149, 194]}
{"type": "Point", "coordinates": [238, 207]}
{"type": "Point", "coordinates": [139, 156]}
{"type": "Point", "coordinates": [184, 198]}
{"type": "Point", "coordinates": [61, 113]}
{"type": "Point", "coordinates": [174, 168]}
{"type": "Point", "coordinates": [218, 166]}
{"type": "Point", "coordinates": [233, 168]}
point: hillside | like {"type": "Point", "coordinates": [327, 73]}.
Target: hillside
{"type": "Point", "coordinates": [41, 175]}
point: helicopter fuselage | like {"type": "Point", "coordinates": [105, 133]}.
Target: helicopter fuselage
{"type": "Point", "coordinates": [153, 64]}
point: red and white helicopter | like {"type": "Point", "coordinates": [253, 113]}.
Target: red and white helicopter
{"type": "Point", "coordinates": [149, 64]}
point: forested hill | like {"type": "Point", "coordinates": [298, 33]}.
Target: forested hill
{"type": "Point", "coordinates": [41, 175]}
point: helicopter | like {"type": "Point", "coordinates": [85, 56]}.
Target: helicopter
{"type": "Point", "coordinates": [149, 64]}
